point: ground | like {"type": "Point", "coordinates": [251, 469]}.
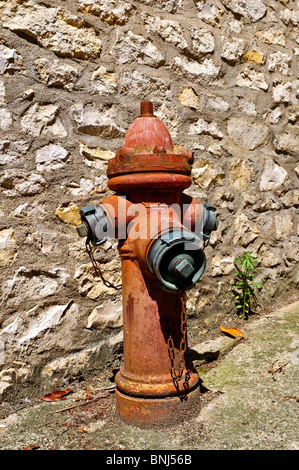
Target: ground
{"type": "Point", "coordinates": [249, 400]}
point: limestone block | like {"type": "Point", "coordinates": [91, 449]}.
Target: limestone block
{"type": "Point", "coordinates": [291, 198]}
{"type": "Point", "coordinates": [204, 127]}
{"type": "Point", "coordinates": [33, 284]}
{"type": "Point", "coordinates": [51, 157]}
{"type": "Point", "coordinates": [9, 59]}
{"type": "Point", "coordinates": [11, 151]}
{"type": "Point", "coordinates": [34, 184]}
{"type": "Point", "coordinates": [35, 210]}
{"type": "Point", "coordinates": [275, 115]}
{"type": "Point", "coordinates": [290, 251]}
{"type": "Point", "coordinates": [254, 56]}
{"type": "Point", "coordinates": [69, 213]}
{"type": "Point", "coordinates": [253, 79]}
{"type": "Point", "coordinates": [236, 27]}
{"type": "Point", "coordinates": [222, 265]}
{"type": "Point", "coordinates": [91, 285]}
{"type": "Point", "coordinates": [169, 117]}
{"type": "Point", "coordinates": [247, 135]}
{"type": "Point", "coordinates": [208, 12]}
{"type": "Point", "coordinates": [293, 114]}
{"type": "Point", "coordinates": [203, 41]}
{"type": "Point", "coordinates": [192, 70]}
{"type": "Point", "coordinates": [170, 6]}
{"type": "Point", "coordinates": [283, 224]}
{"type": "Point", "coordinates": [130, 47]}
{"type": "Point", "coordinates": [206, 175]}
{"type": "Point", "coordinates": [272, 36]}
{"type": "Point", "coordinates": [53, 28]}
{"type": "Point", "coordinates": [279, 62]}
{"type": "Point", "coordinates": [239, 174]}
{"type": "Point", "coordinates": [108, 315]}
{"type": "Point", "coordinates": [111, 11]}
{"type": "Point", "coordinates": [189, 98]}
{"type": "Point", "coordinates": [245, 230]}
{"type": "Point", "coordinates": [88, 186]}
{"type": "Point", "coordinates": [8, 247]}
{"type": "Point", "coordinates": [72, 364]}
{"type": "Point", "coordinates": [273, 176]}
{"type": "Point", "coordinates": [169, 30]}
{"type": "Point", "coordinates": [17, 181]}
{"type": "Point", "coordinates": [103, 82]}
{"type": "Point", "coordinates": [247, 106]}
{"type": "Point", "coordinates": [95, 157]}
{"type": "Point", "coordinates": [90, 120]}
{"type": "Point", "coordinates": [42, 119]}
{"type": "Point", "coordinates": [290, 17]}
{"type": "Point", "coordinates": [56, 73]}
{"type": "Point", "coordinates": [5, 114]}
{"type": "Point", "coordinates": [282, 91]}
{"type": "Point", "coordinates": [269, 256]}
{"type": "Point", "coordinates": [2, 94]}
{"type": "Point", "coordinates": [224, 197]}
{"type": "Point", "coordinates": [232, 49]}
{"type": "Point", "coordinates": [49, 243]}
{"type": "Point", "coordinates": [216, 103]}
{"type": "Point", "coordinates": [267, 203]}
{"type": "Point", "coordinates": [253, 10]}
{"type": "Point", "coordinates": [5, 119]}
{"type": "Point", "coordinates": [32, 324]}
{"type": "Point", "coordinates": [28, 94]}
{"type": "Point", "coordinates": [143, 85]}
{"type": "Point", "coordinates": [288, 140]}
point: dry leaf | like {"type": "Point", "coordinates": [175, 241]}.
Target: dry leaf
{"type": "Point", "coordinates": [57, 395]}
{"type": "Point", "coordinates": [234, 332]}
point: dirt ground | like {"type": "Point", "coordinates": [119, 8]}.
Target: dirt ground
{"type": "Point", "coordinates": [248, 401]}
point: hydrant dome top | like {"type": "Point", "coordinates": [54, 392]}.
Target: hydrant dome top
{"type": "Point", "coordinates": [148, 157]}
{"type": "Point", "coordinates": [147, 133]}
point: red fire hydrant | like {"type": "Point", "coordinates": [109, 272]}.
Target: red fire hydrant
{"type": "Point", "coordinates": [161, 233]}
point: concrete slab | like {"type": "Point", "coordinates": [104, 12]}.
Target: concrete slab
{"type": "Point", "coordinates": [249, 401]}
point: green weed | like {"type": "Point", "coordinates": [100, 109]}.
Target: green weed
{"type": "Point", "coordinates": [244, 286]}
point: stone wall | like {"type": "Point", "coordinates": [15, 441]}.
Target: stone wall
{"type": "Point", "coordinates": [223, 77]}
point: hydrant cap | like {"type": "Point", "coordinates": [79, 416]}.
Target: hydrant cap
{"type": "Point", "coordinates": [148, 157]}
{"type": "Point", "coordinates": [147, 133]}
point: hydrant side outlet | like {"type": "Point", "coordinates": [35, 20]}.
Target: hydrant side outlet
{"type": "Point", "coordinates": [162, 234]}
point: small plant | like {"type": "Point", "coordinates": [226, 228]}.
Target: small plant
{"type": "Point", "coordinates": [244, 286]}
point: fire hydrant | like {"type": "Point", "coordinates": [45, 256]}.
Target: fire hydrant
{"type": "Point", "coordinates": [161, 234]}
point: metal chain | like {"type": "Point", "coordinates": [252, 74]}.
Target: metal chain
{"type": "Point", "coordinates": [97, 268]}
{"type": "Point", "coordinates": [177, 372]}
{"type": "Point", "coordinates": [205, 243]}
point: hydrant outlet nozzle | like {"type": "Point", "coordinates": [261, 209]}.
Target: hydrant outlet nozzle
{"type": "Point", "coordinates": [94, 225]}
{"type": "Point", "coordinates": [210, 220]}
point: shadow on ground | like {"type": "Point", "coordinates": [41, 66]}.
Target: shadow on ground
{"type": "Point", "coordinates": [249, 400]}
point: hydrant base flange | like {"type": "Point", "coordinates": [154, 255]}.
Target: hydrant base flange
{"type": "Point", "coordinates": [157, 411]}
{"type": "Point", "coordinates": [140, 387]}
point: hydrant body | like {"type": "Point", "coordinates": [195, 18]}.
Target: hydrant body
{"type": "Point", "coordinates": [161, 232]}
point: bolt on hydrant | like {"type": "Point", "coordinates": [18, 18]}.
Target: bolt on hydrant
{"type": "Point", "coordinates": [161, 235]}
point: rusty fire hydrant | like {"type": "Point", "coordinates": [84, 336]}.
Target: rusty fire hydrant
{"type": "Point", "coordinates": [161, 233]}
